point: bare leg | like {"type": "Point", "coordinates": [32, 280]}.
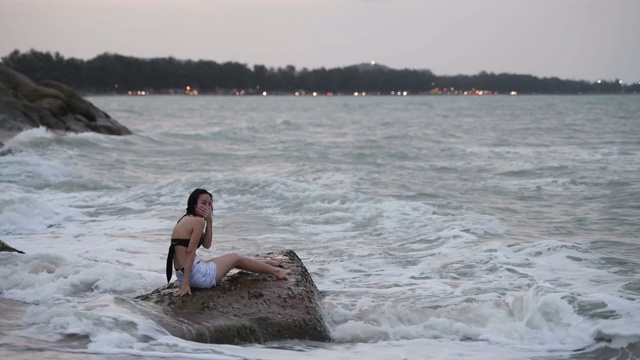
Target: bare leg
{"type": "Point", "coordinates": [225, 263]}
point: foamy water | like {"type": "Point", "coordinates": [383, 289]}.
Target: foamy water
{"type": "Point", "coordinates": [434, 227]}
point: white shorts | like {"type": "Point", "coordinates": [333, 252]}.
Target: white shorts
{"type": "Point", "coordinates": [203, 274]}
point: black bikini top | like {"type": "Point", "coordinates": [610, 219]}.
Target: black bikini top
{"type": "Point", "coordinates": [174, 243]}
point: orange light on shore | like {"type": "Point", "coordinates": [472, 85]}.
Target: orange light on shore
{"type": "Point", "coordinates": [187, 87]}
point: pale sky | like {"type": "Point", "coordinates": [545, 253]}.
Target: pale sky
{"type": "Point", "coordinates": [570, 39]}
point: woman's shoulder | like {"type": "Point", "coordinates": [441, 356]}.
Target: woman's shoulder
{"type": "Point", "coordinates": [192, 221]}
{"type": "Point", "coordinates": [187, 225]}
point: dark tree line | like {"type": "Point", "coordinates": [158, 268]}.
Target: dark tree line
{"type": "Point", "coordinates": [113, 73]}
{"type": "Point", "coordinates": [528, 84]}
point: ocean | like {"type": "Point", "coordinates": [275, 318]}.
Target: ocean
{"type": "Point", "coordinates": [435, 227]}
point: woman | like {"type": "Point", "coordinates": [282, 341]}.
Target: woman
{"type": "Point", "coordinates": [194, 230]}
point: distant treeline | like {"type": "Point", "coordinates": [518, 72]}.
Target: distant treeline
{"type": "Point", "coordinates": [113, 73]}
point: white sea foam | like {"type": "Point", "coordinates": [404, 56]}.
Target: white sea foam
{"type": "Point", "coordinates": [530, 313]}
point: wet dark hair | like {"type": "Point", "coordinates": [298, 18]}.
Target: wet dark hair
{"type": "Point", "coordinates": [193, 199]}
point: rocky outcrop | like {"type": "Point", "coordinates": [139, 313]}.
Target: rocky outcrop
{"type": "Point", "coordinates": [244, 308]}
{"type": "Point", "coordinates": [25, 104]}
{"type": "Point", "coordinates": [4, 247]}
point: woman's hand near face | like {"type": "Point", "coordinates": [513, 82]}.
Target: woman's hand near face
{"type": "Point", "coordinates": [204, 211]}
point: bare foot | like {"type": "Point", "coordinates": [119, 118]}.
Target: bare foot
{"type": "Point", "coordinates": [276, 262]}
{"type": "Point", "coordinates": [282, 273]}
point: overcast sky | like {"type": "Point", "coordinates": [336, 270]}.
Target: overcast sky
{"type": "Point", "coordinates": [570, 39]}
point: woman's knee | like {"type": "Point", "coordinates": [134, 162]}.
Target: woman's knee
{"type": "Point", "coordinates": [235, 258]}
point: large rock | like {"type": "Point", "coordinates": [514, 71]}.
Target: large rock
{"type": "Point", "coordinates": [25, 104]}
{"type": "Point", "coordinates": [244, 308]}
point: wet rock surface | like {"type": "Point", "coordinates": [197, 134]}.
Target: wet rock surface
{"type": "Point", "coordinates": [4, 247]}
{"type": "Point", "coordinates": [244, 308]}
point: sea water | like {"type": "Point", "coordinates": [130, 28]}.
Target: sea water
{"type": "Point", "coordinates": [435, 227]}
